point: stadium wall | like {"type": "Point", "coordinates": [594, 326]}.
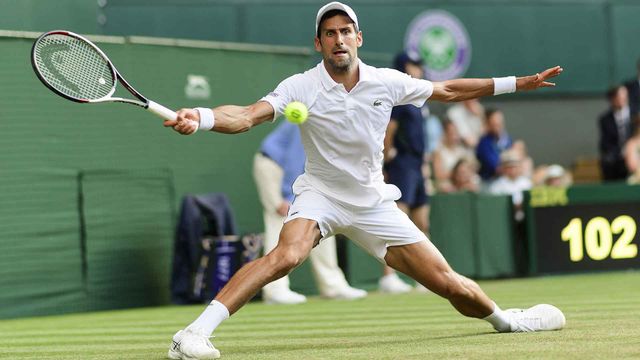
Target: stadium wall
{"type": "Point", "coordinates": [88, 193]}
{"type": "Point", "coordinates": [80, 16]}
{"type": "Point", "coordinates": [590, 38]}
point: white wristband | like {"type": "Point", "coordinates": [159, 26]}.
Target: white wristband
{"type": "Point", "coordinates": [504, 85]}
{"type": "Point", "coordinates": [207, 119]}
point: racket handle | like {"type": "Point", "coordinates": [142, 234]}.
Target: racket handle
{"type": "Point", "coordinates": [161, 111]}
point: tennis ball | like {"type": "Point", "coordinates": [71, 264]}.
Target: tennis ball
{"type": "Point", "coordinates": [296, 112]}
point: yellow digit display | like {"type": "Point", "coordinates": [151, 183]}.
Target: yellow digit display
{"type": "Point", "coordinates": [597, 238]}
{"type": "Point", "coordinates": [573, 234]}
{"type": "Point", "coordinates": [624, 249]}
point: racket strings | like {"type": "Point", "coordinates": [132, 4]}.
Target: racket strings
{"type": "Point", "coordinates": [74, 67]}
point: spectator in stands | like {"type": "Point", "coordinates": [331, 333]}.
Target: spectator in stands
{"type": "Point", "coordinates": [512, 181]}
{"type": "Point", "coordinates": [492, 144]}
{"type": "Point", "coordinates": [551, 175]}
{"type": "Point", "coordinates": [633, 88]}
{"type": "Point", "coordinates": [615, 129]}
{"type": "Point", "coordinates": [527, 162]}
{"type": "Point", "coordinates": [433, 133]}
{"type": "Point", "coordinates": [276, 166]}
{"type": "Point", "coordinates": [450, 151]}
{"type": "Point", "coordinates": [464, 176]}
{"type": "Point", "coordinates": [467, 116]}
{"type": "Point", "coordinates": [632, 154]}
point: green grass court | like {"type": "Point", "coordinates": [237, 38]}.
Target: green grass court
{"type": "Point", "coordinates": [601, 311]}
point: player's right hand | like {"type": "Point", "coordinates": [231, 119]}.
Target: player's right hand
{"type": "Point", "coordinates": [186, 123]}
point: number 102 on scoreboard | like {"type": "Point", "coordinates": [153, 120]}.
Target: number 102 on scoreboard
{"type": "Point", "coordinates": [596, 238]}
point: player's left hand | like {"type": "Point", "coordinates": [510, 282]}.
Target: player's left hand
{"type": "Point", "coordinates": [187, 122]}
{"type": "Point", "coordinates": [539, 80]}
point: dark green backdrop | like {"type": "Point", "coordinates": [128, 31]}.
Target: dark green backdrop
{"type": "Point", "coordinates": [88, 193]}
{"type": "Point", "coordinates": [593, 39]}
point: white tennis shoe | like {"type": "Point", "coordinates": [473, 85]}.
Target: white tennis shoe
{"type": "Point", "coordinates": [542, 317]}
{"type": "Point", "coordinates": [392, 284]}
{"type": "Point", "coordinates": [345, 293]}
{"type": "Point", "coordinates": [283, 297]}
{"type": "Point", "coordinates": [192, 344]}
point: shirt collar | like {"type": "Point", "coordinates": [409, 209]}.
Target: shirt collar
{"type": "Point", "coordinates": [329, 83]}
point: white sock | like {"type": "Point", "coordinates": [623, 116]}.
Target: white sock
{"type": "Point", "coordinates": [211, 317]}
{"type": "Point", "coordinates": [500, 320]}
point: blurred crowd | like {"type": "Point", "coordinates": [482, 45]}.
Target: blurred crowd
{"type": "Point", "coordinates": [469, 149]}
{"type": "Point", "coordinates": [620, 132]}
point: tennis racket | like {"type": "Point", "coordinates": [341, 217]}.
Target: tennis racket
{"type": "Point", "coordinates": [76, 69]}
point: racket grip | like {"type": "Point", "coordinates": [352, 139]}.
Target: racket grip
{"type": "Point", "coordinates": [161, 111]}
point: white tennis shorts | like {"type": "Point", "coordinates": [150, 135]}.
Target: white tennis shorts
{"type": "Point", "coordinates": [373, 229]}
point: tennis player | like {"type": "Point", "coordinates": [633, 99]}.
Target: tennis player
{"type": "Point", "coordinates": [342, 190]}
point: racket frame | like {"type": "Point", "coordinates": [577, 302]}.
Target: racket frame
{"type": "Point", "coordinates": [142, 101]}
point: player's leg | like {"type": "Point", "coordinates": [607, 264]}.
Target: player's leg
{"type": "Point", "coordinates": [277, 291]}
{"type": "Point", "coordinates": [420, 217]}
{"type": "Point", "coordinates": [388, 234]}
{"type": "Point", "coordinates": [329, 277]}
{"type": "Point", "coordinates": [423, 262]}
{"type": "Point", "coordinates": [390, 282]}
{"type": "Point", "coordinates": [297, 238]}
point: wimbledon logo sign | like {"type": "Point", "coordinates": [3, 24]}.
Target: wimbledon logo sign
{"type": "Point", "coordinates": [442, 42]}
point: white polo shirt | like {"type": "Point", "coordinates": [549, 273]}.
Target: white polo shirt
{"type": "Point", "coordinates": [343, 136]}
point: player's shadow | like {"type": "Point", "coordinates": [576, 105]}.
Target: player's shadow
{"type": "Point", "coordinates": [459, 336]}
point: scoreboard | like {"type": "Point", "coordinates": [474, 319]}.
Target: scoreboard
{"type": "Point", "coordinates": [583, 228]}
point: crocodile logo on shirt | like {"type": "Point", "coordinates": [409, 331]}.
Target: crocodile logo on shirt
{"type": "Point", "coordinates": [377, 102]}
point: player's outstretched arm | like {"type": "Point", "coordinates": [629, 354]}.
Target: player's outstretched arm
{"type": "Point", "coordinates": [228, 119]}
{"type": "Point", "coordinates": [464, 89]}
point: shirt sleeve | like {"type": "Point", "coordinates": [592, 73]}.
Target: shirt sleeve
{"type": "Point", "coordinates": [407, 90]}
{"type": "Point", "coordinates": [290, 89]}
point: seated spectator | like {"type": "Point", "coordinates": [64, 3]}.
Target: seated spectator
{"type": "Point", "coordinates": [464, 176]}
{"type": "Point", "coordinates": [527, 163]}
{"type": "Point", "coordinates": [632, 155]}
{"type": "Point", "coordinates": [492, 144]}
{"type": "Point", "coordinates": [615, 129]}
{"type": "Point", "coordinates": [447, 155]}
{"type": "Point", "coordinates": [511, 182]}
{"type": "Point", "coordinates": [552, 175]}
{"type": "Point", "coordinates": [467, 116]}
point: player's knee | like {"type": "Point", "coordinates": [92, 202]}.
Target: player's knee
{"type": "Point", "coordinates": [290, 260]}
{"type": "Point", "coordinates": [283, 260]}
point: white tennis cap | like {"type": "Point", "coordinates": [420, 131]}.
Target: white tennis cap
{"type": "Point", "coordinates": [336, 6]}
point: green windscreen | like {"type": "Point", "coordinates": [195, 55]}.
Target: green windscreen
{"type": "Point", "coordinates": [88, 191]}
